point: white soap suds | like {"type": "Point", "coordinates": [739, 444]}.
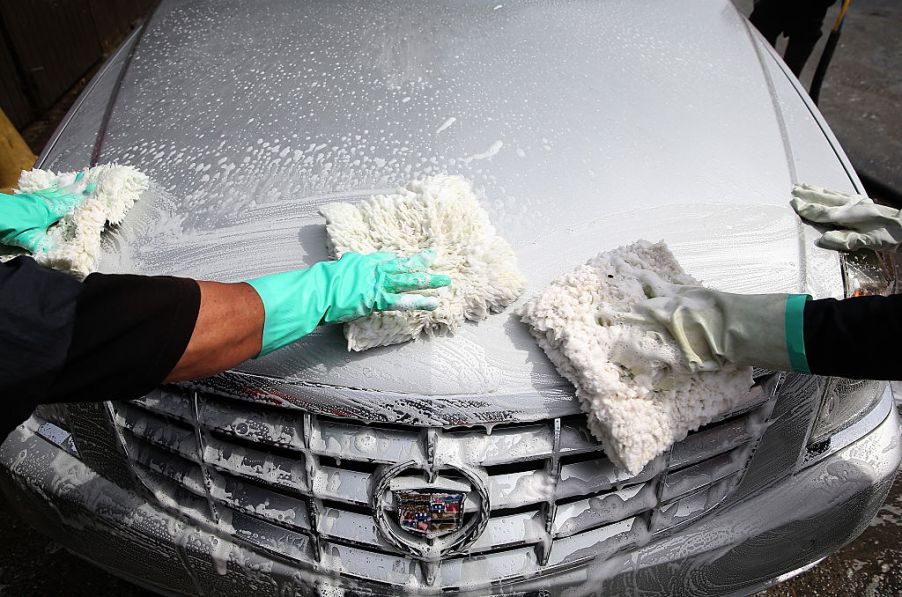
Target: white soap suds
{"type": "Point", "coordinates": [638, 396]}
{"type": "Point", "coordinates": [72, 245]}
{"type": "Point", "coordinates": [446, 124]}
{"type": "Point", "coordinates": [488, 154]}
{"type": "Point", "coordinates": [438, 212]}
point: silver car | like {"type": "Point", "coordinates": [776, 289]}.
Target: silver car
{"type": "Point", "coordinates": [584, 126]}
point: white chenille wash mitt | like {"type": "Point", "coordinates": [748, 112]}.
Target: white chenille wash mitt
{"type": "Point", "coordinates": [73, 243]}
{"type": "Point", "coordinates": [439, 212]}
{"type": "Point", "coordinates": [638, 396]}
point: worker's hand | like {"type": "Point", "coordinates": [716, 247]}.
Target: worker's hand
{"type": "Point", "coordinates": [25, 217]}
{"type": "Point", "coordinates": [859, 222]}
{"type": "Point", "coordinates": [712, 328]}
{"type": "Point", "coordinates": [337, 291]}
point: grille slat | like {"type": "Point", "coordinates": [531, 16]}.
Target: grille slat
{"type": "Point", "coordinates": [603, 509]}
{"type": "Point", "coordinates": [157, 431]}
{"type": "Point", "coordinates": [261, 427]}
{"type": "Point", "coordinates": [180, 470]}
{"type": "Point", "coordinates": [604, 541]}
{"type": "Point", "coordinates": [710, 442]}
{"type": "Point", "coordinates": [525, 528]}
{"type": "Point", "coordinates": [576, 438]}
{"type": "Point", "coordinates": [341, 485]}
{"type": "Point", "coordinates": [167, 402]}
{"type": "Point", "coordinates": [510, 564]}
{"type": "Point", "coordinates": [259, 502]}
{"type": "Point", "coordinates": [362, 563]}
{"type": "Point", "coordinates": [277, 540]}
{"type": "Point", "coordinates": [591, 476]}
{"type": "Point", "coordinates": [174, 495]}
{"type": "Point", "coordinates": [300, 486]}
{"type": "Point", "coordinates": [514, 490]}
{"type": "Point", "coordinates": [351, 527]}
{"type": "Point", "coordinates": [369, 444]}
{"type": "Point", "coordinates": [693, 506]}
{"type": "Point", "coordinates": [699, 475]}
{"type": "Point", "coordinates": [256, 464]}
{"type": "Point", "coordinates": [502, 446]}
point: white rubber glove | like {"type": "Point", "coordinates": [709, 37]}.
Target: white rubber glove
{"type": "Point", "coordinates": [713, 328]}
{"type": "Point", "coordinates": [860, 223]}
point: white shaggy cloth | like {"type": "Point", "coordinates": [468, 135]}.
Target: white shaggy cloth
{"type": "Point", "coordinates": [438, 212]}
{"type": "Point", "coordinates": [73, 243]}
{"type": "Point", "coordinates": [630, 380]}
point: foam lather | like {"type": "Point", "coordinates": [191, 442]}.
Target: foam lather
{"type": "Point", "coordinates": [439, 212]}
{"type": "Point", "coordinates": [638, 395]}
{"type": "Point", "coordinates": [73, 243]}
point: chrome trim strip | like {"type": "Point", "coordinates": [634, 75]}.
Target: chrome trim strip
{"type": "Point", "coordinates": [82, 97]}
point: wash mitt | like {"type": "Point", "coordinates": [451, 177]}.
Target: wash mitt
{"type": "Point", "coordinates": [638, 397]}
{"type": "Point", "coordinates": [442, 213]}
{"type": "Point", "coordinates": [73, 243]}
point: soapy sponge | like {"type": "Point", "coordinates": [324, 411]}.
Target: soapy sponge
{"type": "Point", "coordinates": [74, 242]}
{"type": "Point", "coordinates": [638, 396]}
{"type": "Point", "coordinates": [439, 212]}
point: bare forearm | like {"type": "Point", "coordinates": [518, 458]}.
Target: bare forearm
{"type": "Point", "coordinates": [228, 331]}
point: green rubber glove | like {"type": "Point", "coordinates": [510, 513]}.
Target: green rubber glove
{"type": "Point", "coordinates": [712, 328]}
{"type": "Point", "coordinates": [859, 222]}
{"type": "Point", "coordinates": [25, 217]}
{"type": "Point", "coordinates": [355, 286]}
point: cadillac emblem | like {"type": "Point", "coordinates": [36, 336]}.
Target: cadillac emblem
{"type": "Point", "coordinates": [430, 513]}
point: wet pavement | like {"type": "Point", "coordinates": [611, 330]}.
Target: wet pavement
{"type": "Point", "coordinates": [862, 101]}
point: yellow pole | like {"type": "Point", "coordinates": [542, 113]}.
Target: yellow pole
{"type": "Point", "coordinates": [15, 155]}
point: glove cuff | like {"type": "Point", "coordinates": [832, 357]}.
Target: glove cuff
{"type": "Point", "coordinates": [795, 332]}
{"type": "Point", "coordinates": [291, 305]}
{"type": "Point", "coordinates": [765, 330]}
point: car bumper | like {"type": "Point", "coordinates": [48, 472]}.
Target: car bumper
{"type": "Point", "coordinates": [737, 549]}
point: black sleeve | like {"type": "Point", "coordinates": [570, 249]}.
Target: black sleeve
{"type": "Point", "coordinates": [129, 333]}
{"type": "Point", "coordinates": [856, 338]}
{"type": "Point", "coordinates": [112, 337]}
{"type": "Point", "coordinates": [37, 315]}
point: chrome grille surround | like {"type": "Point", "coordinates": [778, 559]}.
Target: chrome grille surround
{"type": "Point", "coordinates": [314, 489]}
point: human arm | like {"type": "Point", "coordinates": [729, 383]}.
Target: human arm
{"type": "Point", "coordinates": [126, 334]}
{"type": "Point", "coordinates": [851, 338]}
{"type": "Point", "coordinates": [855, 338]}
{"type": "Point", "coordinates": [268, 313]}
{"type": "Point", "coordinates": [214, 347]}
{"type": "Point", "coordinates": [119, 336]}
{"type": "Point", "coordinates": [25, 217]}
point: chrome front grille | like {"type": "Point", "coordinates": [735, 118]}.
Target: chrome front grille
{"type": "Point", "coordinates": [301, 486]}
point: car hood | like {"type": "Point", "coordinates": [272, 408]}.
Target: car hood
{"type": "Point", "coordinates": [582, 125]}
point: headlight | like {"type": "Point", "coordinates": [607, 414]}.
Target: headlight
{"type": "Point", "coordinates": [867, 273]}
{"type": "Point", "coordinates": [846, 401]}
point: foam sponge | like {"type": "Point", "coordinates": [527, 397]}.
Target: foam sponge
{"type": "Point", "coordinates": [631, 382]}
{"type": "Point", "coordinates": [438, 212]}
{"type": "Point", "coordinates": [74, 241]}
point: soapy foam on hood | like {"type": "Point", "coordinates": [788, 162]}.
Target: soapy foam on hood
{"type": "Point", "coordinates": [638, 396]}
{"type": "Point", "coordinates": [438, 212]}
